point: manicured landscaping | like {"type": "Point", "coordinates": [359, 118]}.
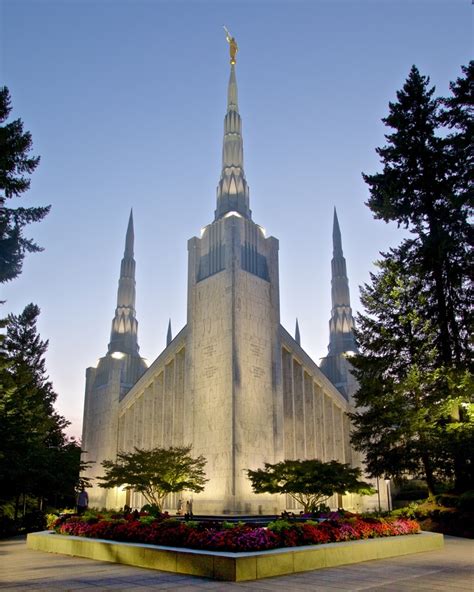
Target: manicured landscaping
{"type": "Point", "coordinates": [221, 565]}
{"type": "Point", "coordinates": [232, 537]}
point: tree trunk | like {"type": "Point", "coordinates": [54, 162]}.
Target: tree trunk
{"type": "Point", "coordinates": [428, 474]}
{"type": "Point", "coordinates": [17, 505]}
{"type": "Point", "coordinates": [437, 265]}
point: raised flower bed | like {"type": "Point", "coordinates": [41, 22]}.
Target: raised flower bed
{"type": "Point", "coordinates": [222, 536]}
{"type": "Point", "coordinates": [233, 552]}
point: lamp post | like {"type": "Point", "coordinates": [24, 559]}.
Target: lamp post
{"type": "Point", "coordinates": [378, 493]}
{"type": "Point", "coordinates": [389, 494]}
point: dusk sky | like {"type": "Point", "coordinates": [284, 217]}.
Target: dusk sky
{"type": "Point", "coordinates": [125, 103]}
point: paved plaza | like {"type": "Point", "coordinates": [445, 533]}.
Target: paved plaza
{"type": "Point", "coordinates": [446, 570]}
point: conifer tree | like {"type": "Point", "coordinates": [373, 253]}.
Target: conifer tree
{"type": "Point", "coordinates": [420, 188]}
{"type": "Point", "coordinates": [16, 165]}
{"type": "Point", "coordinates": [31, 430]}
{"type": "Point", "coordinates": [414, 403]}
{"type": "Point", "coordinates": [403, 422]}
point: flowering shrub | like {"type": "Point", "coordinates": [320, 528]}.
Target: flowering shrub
{"type": "Point", "coordinates": [214, 536]}
{"type": "Point", "coordinates": [239, 538]}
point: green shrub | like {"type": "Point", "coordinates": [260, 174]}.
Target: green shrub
{"type": "Point", "coordinates": [410, 511]}
{"type": "Point", "coordinates": [412, 490]}
{"type": "Point", "coordinates": [147, 519]}
{"type": "Point", "coordinates": [448, 500]}
{"type": "Point", "coordinates": [412, 495]}
{"type": "Point", "coordinates": [278, 525]}
{"type": "Point", "coordinates": [8, 527]}
{"type": "Point", "coordinates": [34, 521]}
{"type": "Point", "coordinates": [152, 509]}
{"type": "Point", "coordinates": [50, 520]}
{"type": "Point", "coordinates": [466, 501]}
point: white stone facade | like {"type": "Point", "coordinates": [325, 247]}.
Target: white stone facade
{"type": "Point", "coordinates": [233, 383]}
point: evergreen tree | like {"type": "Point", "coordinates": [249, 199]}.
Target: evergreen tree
{"type": "Point", "coordinates": [31, 431]}
{"type": "Point", "coordinates": [458, 116]}
{"type": "Point", "coordinates": [16, 165]}
{"type": "Point", "coordinates": [414, 411]}
{"type": "Point", "coordinates": [403, 422]}
{"type": "Point", "coordinates": [420, 187]}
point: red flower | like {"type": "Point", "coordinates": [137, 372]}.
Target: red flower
{"type": "Point", "coordinates": [170, 532]}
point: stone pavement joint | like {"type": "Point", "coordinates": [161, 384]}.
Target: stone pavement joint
{"type": "Point", "coordinates": [451, 568]}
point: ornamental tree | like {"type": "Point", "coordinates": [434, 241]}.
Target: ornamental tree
{"type": "Point", "coordinates": [309, 482]}
{"type": "Point", "coordinates": [156, 472]}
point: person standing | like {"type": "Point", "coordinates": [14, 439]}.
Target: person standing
{"type": "Point", "coordinates": [82, 501]}
{"type": "Point", "coordinates": [189, 508]}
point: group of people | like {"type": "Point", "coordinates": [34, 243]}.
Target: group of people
{"type": "Point", "coordinates": [82, 504]}
{"type": "Point", "coordinates": [189, 508]}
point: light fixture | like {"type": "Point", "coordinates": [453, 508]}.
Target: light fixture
{"type": "Point", "coordinates": [233, 213]}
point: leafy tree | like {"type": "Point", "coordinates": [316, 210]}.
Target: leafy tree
{"type": "Point", "coordinates": [309, 482]}
{"type": "Point", "coordinates": [16, 165]}
{"type": "Point", "coordinates": [413, 405]}
{"type": "Point", "coordinates": [156, 472]}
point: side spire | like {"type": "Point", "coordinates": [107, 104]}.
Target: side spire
{"type": "Point", "coordinates": [297, 333]}
{"type": "Point", "coordinates": [341, 337]}
{"type": "Point", "coordinates": [169, 335]}
{"type": "Point", "coordinates": [232, 190]}
{"type": "Point", "coordinates": [341, 324]}
{"type": "Point", "coordinates": [123, 337]}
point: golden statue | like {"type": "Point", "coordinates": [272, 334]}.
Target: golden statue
{"type": "Point", "coordinates": [233, 47]}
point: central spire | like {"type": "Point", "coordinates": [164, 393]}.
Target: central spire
{"type": "Point", "coordinates": [232, 190]}
{"type": "Point", "coordinates": [123, 336]}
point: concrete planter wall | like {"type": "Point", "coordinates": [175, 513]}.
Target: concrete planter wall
{"type": "Point", "coordinates": [236, 567]}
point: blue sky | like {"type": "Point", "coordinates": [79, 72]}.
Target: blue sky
{"type": "Point", "coordinates": [125, 102]}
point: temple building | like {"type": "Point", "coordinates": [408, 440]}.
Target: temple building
{"type": "Point", "coordinates": [233, 382]}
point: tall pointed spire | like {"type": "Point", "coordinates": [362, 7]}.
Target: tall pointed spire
{"type": "Point", "coordinates": [341, 324]}
{"type": "Point", "coordinates": [341, 337]}
{"type": "Point", "coordinates": [169, 335]}
{"type": "Point", "coordinates": [336, 236]}
{"type": "Point", "coordinates": [123, 337]}
{"type": "Point", "coordinates": [232, 190]}
{"type": "Point", "coordinates": [130, 237]}
{"type": "Point", "coordinates": [297, 333]}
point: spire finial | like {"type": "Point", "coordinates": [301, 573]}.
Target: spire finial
{"type": "Point", "coordinates": [169, 335]}
{"type": "Point", "coordinates": [297, 333]}
{"type": "Point", "coordinates": [233, 47]}
{"type": "Point", "coordinates": [129, 239]}
{"type": "Point", "coordinates": [336, 236]}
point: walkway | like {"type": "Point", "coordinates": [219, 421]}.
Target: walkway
{"type": "Point", "coordinates": [447, 570]}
